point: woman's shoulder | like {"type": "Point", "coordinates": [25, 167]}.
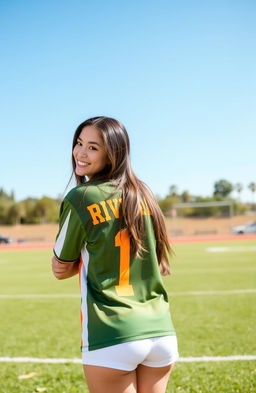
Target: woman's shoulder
{"type": "Point", "coordinates": [90, 191]}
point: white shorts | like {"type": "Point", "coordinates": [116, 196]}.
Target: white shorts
{"type": "Point", "coordinates": [151, 352]}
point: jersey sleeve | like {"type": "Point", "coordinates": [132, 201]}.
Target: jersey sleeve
{"type": "Point", "coordinates": [71, 236]}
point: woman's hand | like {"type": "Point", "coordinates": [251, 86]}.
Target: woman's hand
{"type": "Point", "coordinates": [64, 270]}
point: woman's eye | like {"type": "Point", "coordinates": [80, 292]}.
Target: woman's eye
{"type": "Point", "coordinates": [92, 148]}
{"type": "Point", "coordinates": [78, 143]}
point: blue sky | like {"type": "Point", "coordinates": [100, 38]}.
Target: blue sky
{"type": "Point", "coordinates": [179, 74]}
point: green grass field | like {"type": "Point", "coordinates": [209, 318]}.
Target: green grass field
{"type": "Point", "coordinates": [208, 324]}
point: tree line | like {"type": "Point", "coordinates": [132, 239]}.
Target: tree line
{"type": "Point", "coordinates": [221, 192]}
{"type": "Point", "coordinates": [46, 209]}
{"type": "Point", "coordinates": [27, 211]}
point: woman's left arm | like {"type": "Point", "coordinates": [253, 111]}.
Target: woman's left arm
{"type": "Point", "coordinates": [64, 270]}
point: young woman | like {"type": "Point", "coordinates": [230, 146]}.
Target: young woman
{"type": "Point", "coordinates": [113, 234]}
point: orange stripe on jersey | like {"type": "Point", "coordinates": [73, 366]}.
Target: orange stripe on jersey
{"type": "Point", "coordinates": [81, 312]}
{"type": "Point", "coordinates": [80, 266]}
{"type": "Point", "coordinates": [81, 322]}
{"type": "Point", "coordinates": [63, 262]}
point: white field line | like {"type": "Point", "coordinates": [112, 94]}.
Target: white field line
{"type": "Point", "coordinates": [224, 292]}
{"type": "Point", "coordinates": [232, 249]}
{"type": "Point", "coordinates": [41, 296]}
{"type": "Point", "coordinates": [215, 270]}
{"type": "Point", "coordinates": [182, 360]}
{"type": "Point", "coordinates": [185, 293]}
{"type": "Point", "coordinates": [217, 358]}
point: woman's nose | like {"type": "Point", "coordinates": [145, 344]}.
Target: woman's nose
{"type": "Point", "coordinates": [83, 152]}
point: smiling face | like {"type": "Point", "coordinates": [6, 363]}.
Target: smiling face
{"type": "Point", "coordinates": [89, 152]}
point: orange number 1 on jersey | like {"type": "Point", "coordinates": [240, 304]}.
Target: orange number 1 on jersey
{"type": "Point", "coordinates": [122, 240]}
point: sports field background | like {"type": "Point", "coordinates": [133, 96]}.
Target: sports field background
{"type": "Point", "coordinates": [212, 294]}
{"type": "Point", "coordinates": [176, 226]}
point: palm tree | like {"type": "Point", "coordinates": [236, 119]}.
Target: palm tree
{"type": "Point", "coordinates": [173, 190]}
{"type": "Point", "coordinates": [252, 187]}
{"type": "Point", "coordinates": [239, 189]}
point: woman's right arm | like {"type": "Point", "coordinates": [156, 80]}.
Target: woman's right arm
{"type": "Point", "coordinates": [64, 270]}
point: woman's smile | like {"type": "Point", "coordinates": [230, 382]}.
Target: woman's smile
{"type": "Point", "coordinates": [81, 163]}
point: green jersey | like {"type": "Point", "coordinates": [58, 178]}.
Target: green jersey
{"type": "Point", "coordinates": [123, 298]}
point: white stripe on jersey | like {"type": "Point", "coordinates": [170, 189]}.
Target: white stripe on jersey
{"type": "Point", "coordinates": [61, 238]}
{"type": "Point", "coordinates": [83, 285]}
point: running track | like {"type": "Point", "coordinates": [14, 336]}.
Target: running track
{"type": "Point", "coordinates": [175, 240]}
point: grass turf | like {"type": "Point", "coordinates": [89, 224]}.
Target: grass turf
{"type": "Point", "coordinates": [207, 325]}
{"type": "Point", "coordinates": [231, 377]}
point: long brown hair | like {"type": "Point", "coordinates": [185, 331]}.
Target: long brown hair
{"type": "Point", "coordinates": [135, 192]}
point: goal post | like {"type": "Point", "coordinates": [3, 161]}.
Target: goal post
{"type": "Point", "coordinates": [205, 204]}
{"type": "Point", "coordinates": [177, 207]}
